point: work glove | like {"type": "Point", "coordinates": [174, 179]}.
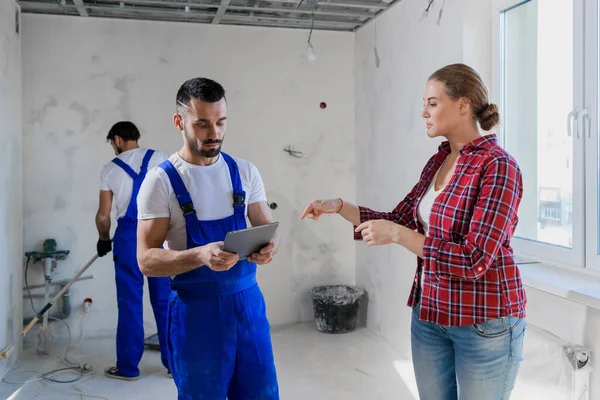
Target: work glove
{"type": "Point", "coordinates": [103, 247]}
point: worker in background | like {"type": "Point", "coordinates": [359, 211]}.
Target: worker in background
{"type": "Point", "coordinates": [220, 341]}
{"type": "Point", "coordinates": [122, 178]}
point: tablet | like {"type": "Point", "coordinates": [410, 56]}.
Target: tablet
{"type": "Point", "coordinates": [244, 242]}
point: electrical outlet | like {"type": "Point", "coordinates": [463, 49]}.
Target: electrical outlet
{"type": "Point", "coordinates": [87, 304]}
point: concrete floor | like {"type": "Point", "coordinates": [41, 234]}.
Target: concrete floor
{"type": "Point", "coordinates": [310, 365]}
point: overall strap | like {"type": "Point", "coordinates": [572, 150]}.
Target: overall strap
{"type": "Point", "coordinates": [145, 162]}
{"type": "Point", "coordinates": [137, 184]}
{"type": "Point", "coordinates": [239, 196]}
{"type": "Point", "coordinates": [125, 167]}
{"type": "Point", "coordinates": [183, 198]}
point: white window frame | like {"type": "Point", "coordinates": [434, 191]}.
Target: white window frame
{"type": "Point", "coordinates": [575, 256]}
{"type": "Point", "coordinates": [589, 124]}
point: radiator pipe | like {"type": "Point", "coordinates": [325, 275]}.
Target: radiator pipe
{"type": "Point", "coordinates": [61, 283]}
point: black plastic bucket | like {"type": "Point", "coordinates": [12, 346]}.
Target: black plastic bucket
{"type": "Point", "coordinates": [336, 307]}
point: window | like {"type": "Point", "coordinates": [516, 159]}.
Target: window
{"type": "Point", "coordinates": [546, 85]}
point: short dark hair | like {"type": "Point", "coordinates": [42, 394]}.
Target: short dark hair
{"type": "Point", "coordinates": [202, 89]}
{"type": "Point", "coordinates": [126, 130]}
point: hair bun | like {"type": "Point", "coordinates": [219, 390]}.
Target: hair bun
{"type": "Point", "coordinates": [488, 117]}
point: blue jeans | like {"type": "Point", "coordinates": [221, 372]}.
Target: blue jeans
{"type": "Point", "coordinates": [473, 362]}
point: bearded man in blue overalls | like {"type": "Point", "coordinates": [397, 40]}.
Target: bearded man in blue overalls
{"type": "Point", "coordinates": [219, 340]}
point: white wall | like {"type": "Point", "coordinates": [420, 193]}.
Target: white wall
{"type": "Point", "coordinates": [82, 75]}
{"type": "Point", "coordinates": [11, 223]}
{"type": "Point", "coordinates": [394, 56]}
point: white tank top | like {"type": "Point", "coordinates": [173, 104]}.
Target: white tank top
{"type": "Point", "coordinates": [424, 208]}
{"type": "Point", "coordinates": [426, 203]}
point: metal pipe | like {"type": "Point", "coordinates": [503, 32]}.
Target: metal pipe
{"type": "Point", "coordinates": [66, 305]}
{"type": "Point", "coordinates": [61, 283]}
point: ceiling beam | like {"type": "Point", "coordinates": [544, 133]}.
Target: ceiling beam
{"type": "Point", "coordinates": [318, 10]}
{"type": "Point", "coordinates": [308, 12]}
{"type": "Point", "coordinates": [288, 26]}
{"type": "Point", "coordinates": [298, 22]}
{"type": "Point", "coordinates": [169, 4]}
{"type": "Point", "coordinates": [39, 6]}
{"type": "Point", "coordinates": [376, 5]}
{"type": "Point", "coordinates": [221, 11]}
{"type": "Point", "coordinates": [80, 8]}
{"type": "Point", "coordinates": [109, 9]}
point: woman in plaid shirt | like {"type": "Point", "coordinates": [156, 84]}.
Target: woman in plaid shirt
{"type": "Point", "coordinates": [468, 301]}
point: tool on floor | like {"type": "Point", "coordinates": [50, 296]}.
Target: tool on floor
{"type": "Point", "coordinates": [57, 296]}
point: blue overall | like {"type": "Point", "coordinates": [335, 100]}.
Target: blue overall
{"type": "Point", "coordinates": [218, 333]}
{"type": "Point", "coordinates": [130, 285]}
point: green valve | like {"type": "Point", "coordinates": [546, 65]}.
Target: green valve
{"type": "Point", "coordinates": [49, 252]}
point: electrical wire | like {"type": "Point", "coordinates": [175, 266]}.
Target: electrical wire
{"type": "Point", "coordinates": [50, 377]}
{"type": "Point", "coordinates": [293, 153]}
{"type": "Point", "coordinates": [27, 285]}
{"type": "Point", "coordinates": [313, 23]}
{"type": "Point", "coordinates": [429, 5]}
{"type": "Point", "coordinates": [76, 345]}
{"type": "Point", "coordinates": [439, 20]}
{"type": "Point", "coordinates": [47, 378]}
{"type": "Point", "coordinates": [426, 11]}
{"type": "Point", "coordinates": [44, 376]}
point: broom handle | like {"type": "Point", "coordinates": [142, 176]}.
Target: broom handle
{"type": "Point", "coordinates": [60, 293]}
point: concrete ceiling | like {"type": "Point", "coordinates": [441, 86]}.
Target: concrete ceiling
{"type": "Point", "coordinates": [333, 15]}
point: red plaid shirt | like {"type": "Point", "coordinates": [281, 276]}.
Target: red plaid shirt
{"type": "Point", "coordinates": [470, 274]}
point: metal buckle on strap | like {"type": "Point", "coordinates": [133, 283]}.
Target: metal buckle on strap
{"type": "Point", "coordinates": [239, 199]}
{"type": "Point", "coordinates": [187, 208]}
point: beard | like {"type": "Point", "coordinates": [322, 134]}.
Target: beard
{"type": "Point", "coordinates": [199, 150]}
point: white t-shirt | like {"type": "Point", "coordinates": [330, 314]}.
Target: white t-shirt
{"type": "Point", "coordinates": [425, 206]}
{"type": "Point", "coordinates": [113, 178]}
{"type": "Point", "coordinates": [210, 188]}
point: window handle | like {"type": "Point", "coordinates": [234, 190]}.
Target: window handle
{"type": "Point", "coordinates": [572, 116]}
{"type": "Point", "coordinates": [585, 117]}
